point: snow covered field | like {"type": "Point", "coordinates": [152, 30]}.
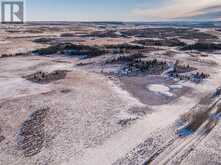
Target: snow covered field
{"type": "Point", "coordinates": [94, 117]}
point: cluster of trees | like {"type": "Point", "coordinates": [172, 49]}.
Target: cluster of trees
{"type": "Point", "coordinates": [195, 77]}
{"type": "Point", "coordinates": [203, 47]}
{"type": "Point", "coordinates": [72, 49]}
{"type": "Point", "coordinates": [200, 75]}
{"type": "Point", "coordinates": [67, 35]}
{"type": "Point", "coordinates": [47, 51]}
{"type": "Point", "coordinates": [42, 77]}
{"type": "Point", "coordinates": [186, 33]}
{"type": "Point", "coordinates": [152, 66]}
{"type": "Point", "coordinates": [43, 40]}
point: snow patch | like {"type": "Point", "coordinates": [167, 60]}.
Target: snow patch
{"type": "Point", "coordinates": [5, 42]}
{"type": "Point", "coordinates": [123, 115]}
{"type": "Point", "coordinates": [161, 89]}
{"type": "Point", "coordinates": [18, 87]}
{"type": "Point", "coordinates": [177, 86]}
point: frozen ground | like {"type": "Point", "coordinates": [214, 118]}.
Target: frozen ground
{"type": "Point", "coordinates": [91, 117]}
{"type": "Point", "coordinates": [81, 118]}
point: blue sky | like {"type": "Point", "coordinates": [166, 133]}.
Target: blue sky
{"type": "Point", "coordinates": [85, 9]}
{"type": "Point", "coordinates": [121, 10]}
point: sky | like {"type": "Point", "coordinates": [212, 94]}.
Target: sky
{"type": "Point", "coordinates": [122, 10]}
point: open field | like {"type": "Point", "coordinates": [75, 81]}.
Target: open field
{"type": "Point", "coordinates": [122, 94]}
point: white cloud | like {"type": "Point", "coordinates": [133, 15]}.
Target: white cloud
{"type": "Point", "coordinates": [175, 9]}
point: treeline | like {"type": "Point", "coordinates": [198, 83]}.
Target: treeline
{"type": "Point", "coordinates": [161, 42]}
{"type": "Point", "coordinates": [71, 49]}
{"type": "Point", "coordinates": [203, 47]}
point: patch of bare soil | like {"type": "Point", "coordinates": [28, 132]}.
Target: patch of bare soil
{"type": "Point", "coordinates": [44, 78]}
{"type": "Point", "coordinates": [32, 135]}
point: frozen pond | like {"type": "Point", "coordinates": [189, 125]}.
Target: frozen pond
{"type": "Point", "coordinates": [161, 89]}
{"type": "Point", "coordinates": [153, 90]}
